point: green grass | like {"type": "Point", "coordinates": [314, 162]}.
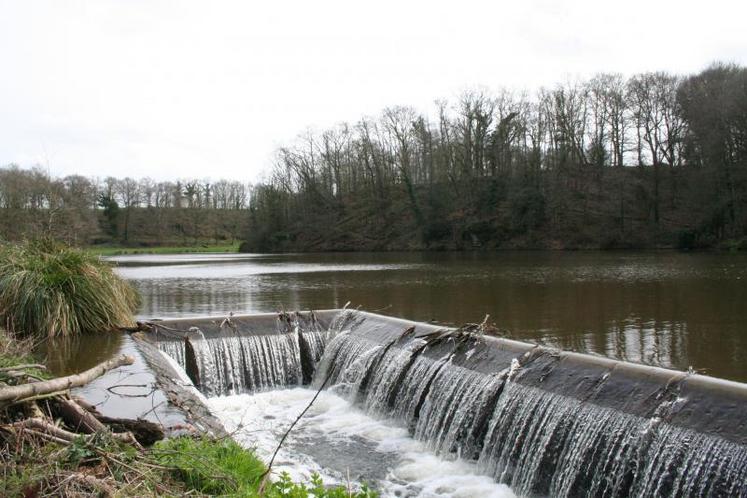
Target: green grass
{"type": "Point", "coordinates": [51, 290]}
{"type": "Point", "coordinates": [183, 466]}
{"type": "Point", "coordinates": [211, 467]}
{"type": "Point", "coordinates": [119, 251]}
{"type": "Point", "coordinates": [223, 468]}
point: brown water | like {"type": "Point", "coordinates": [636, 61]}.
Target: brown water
{"type": "Point", "coordinates": [667, 309]}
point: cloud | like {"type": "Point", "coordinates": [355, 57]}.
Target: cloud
{"type": "Point", "coordinates": [187, 88]}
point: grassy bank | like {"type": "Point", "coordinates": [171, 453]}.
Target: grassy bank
{"type": "Point", "coordinates": [184, 466]}
{"type": "Point", "coordinates": [54, 444]}
{"type": "Point", "coordinates": [102, 464]}
{"type": "Point", "coordinates": [121, 250]}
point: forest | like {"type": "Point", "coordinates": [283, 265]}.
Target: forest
{"type": "Point", "coordinates": [650, 161]}
{"type": "Point", "coordinates": [126, 212]}
{"type": "Point", "coordinates": [654, 160]}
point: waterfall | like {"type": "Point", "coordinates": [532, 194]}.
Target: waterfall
{"type": "Point", "coordinates": [232, 365]}
{"type": "Point", "coordinates": [538, 442]}
{"type": "Point", "coordinates": [173, 348]}
{"type": "Point", "coordinates": [226, 360]}
{"type": "Point", "coordinates": [544, 422]}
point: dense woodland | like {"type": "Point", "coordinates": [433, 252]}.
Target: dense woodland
{"type": "Point", "coordinates": [653, 160]}
{"type": "Point", "coordinates": [124, 211]}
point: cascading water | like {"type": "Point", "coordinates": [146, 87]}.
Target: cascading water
{"type": "Point", "coordinates": [173, 348]}
{"type": "Point", "coordinates": [527, 417]}
{"type": "Point", "coordinates": [538, 442]}
{"type": "Point", "coordinates": [227, 362]}
{"type": "Point", "coordinates": [244, 364]}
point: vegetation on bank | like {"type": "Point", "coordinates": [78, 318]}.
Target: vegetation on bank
{"type": "Point", "coordinates": [41, 458]}
{"type": "Point", "coordinates": [194, 466]}
{"type": "Point", "coordinates": [223, 468]}
{"type": "Point", "coordinates": [55, 444]}
{"type": "Point", "coordinates": [653, 160]}
{"type": "Point", "coordinates": [201, 248]}
{"type": "Point", "coordinates": [120, 211]}
{"type": "Point", "coordinates": [48, 289]}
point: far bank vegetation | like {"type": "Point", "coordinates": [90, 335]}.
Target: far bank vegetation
{"type": "Point", "coordinates": [646, 161]}
{"type": "Point", "coordinates": [650, 160]}
{"type": "Point", "coordinates": [121, 211]}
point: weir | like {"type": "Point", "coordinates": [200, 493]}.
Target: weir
{"type": "Point", "coordinates": [543, 421]}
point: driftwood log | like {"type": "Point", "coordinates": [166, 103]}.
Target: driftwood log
{"type": "Point", "coordinates": [76, 417]}
{"type": "Point", "coordinates": [145, 431]}
{"type": "Point", "coordinates": [46, 430]}
{"type": "Point", "coordinates": [20, 392]}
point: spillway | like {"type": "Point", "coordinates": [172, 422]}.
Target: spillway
{"type": "Point", "coordinates": [544, 422]}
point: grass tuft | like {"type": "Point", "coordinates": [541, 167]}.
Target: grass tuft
{"type": "Point", "coordinates": [216, 468]}
{"type": "Point", "coordinates": [50, 290]}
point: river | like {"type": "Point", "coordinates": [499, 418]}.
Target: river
{"type": "Point", "coordinates": [660, 308]}
{"type": "Point", "coordinates": [666, 309]}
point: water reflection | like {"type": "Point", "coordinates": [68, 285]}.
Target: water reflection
{"type": "Point", "coordinates": [673, 310]}
{"type": "Point", "coordinates": [69, 355]}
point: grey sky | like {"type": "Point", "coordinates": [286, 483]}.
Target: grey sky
{"type": "Point", "coordinates": [209, 89]}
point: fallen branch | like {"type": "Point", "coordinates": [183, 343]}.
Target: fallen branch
{"type": "Point", "coordinates": [53, 394]}
{"type": "Point", "coordinates": [76, 417]}
{"type": "Point", "coordinates": [46, 437]}
{"type": "Point", "coordinates": [23, 391]}
{"type": "Point", "coordinates": [37, 425]}
{"type": "Point", "coordinates": [23, 367]}
{"type": "Point", "coordinates": [85, 404]}
{"type": "Point", "coordinates": [145, 432]}
{"type": "Point", "coordinates": [34, 425]}
{"type": "Point", "coordinates": [20, 374]}
{"type": "Point", "coordinates": [93, 482]}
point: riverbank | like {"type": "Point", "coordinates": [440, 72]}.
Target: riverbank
{"type": "Point", "coordinates": [46, 454]}
{"type": "Point", "coordinates": [87, 433]}
{"type": "Point", "coordinates": [124, 250]}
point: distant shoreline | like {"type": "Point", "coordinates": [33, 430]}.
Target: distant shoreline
{"type": "Point", "coordinates": [110, 250]}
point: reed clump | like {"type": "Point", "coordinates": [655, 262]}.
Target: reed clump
{"type": "Point", "coordinates": [48, 289]}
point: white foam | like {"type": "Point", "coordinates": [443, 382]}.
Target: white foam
{"type": "Point", "coordinates": [259, 420]}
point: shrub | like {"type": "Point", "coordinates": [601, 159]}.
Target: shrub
{"type": "Point", "coordinates": [49, 289]}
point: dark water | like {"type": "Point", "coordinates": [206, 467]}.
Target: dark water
{"type": "Point", "coordinates": [667, 309]}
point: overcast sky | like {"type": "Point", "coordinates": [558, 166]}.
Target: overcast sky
{"type": "Point", "coordinates": [209, 89]}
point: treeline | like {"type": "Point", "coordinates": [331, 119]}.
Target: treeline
{"type": "Point", "coordinates": [651, 160]}
{"type": "Point", "coordinates": [126, 211]}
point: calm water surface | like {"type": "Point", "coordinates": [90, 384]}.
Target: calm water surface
{"type": "Point", "coordinates": [667, 309]}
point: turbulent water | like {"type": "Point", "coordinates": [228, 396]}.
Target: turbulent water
{"type": "Point", "coordinates": [413, 415]}
{"type": "Point", "coordinates": [344, 443]}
